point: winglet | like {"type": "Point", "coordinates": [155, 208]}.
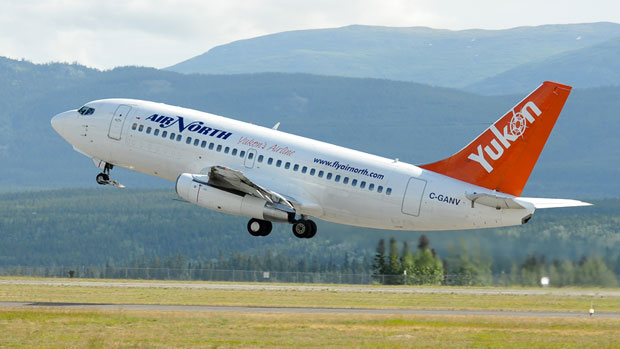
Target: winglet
{"type": "Point", "coordinates": [503, 156]}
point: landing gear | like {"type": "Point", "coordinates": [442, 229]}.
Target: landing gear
{"type": "Point", "coordinates": [259, 227]}
{"type": "Point", "coordinates": [304, 229]}
{"type": "Point", "coordinates": [103, 178]}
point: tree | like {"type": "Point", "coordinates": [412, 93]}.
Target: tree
{"type": "Point", "coordinates": [426, 266]}
{"type": "Point", "coordinates": [379, 261]}
{"type": "Point", "coordinates": [394, 267]}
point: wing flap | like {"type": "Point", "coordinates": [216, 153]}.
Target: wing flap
{"type": "Point", "coordinates": [226, 178]}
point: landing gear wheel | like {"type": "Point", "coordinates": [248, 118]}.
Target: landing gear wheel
{"type": "Point", "coordinates": [103, 178]}
{"type": "Point", "coordinates": [312, 230]}
{"type": "Point", "coordinates": [259, 227]}
{"type": "Point", "coordinates": [304, 229]}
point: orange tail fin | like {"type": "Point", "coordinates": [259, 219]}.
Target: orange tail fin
{"type": "Point", "coordinates": [503, 156]}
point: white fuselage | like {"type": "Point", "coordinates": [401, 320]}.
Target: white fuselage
{"type": "Point", "coordinates": [330, 182]}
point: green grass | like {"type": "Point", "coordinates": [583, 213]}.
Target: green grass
{"type": "Point", "coordinates": [296, 298]}
{"type": "Point", "coordinates": [76, 328]}
{"type": "Point", "coordinates": [54, 327]}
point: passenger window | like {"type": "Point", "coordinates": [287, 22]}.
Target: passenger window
{"type": "Point", "coordinates": [203, 144]}
{"type": "Point", "coordinates": [179, 138]}
{"type": "Point", "coordinates": [329, 175]}
{"type": "Point", "coordinates": [219, 147]}
{"type": "Point", "coordinates": [164, 134]}
{"type": "Point", "coordinates": [321, 174]}
{"type": "Point", "coordinates": [134, 126]}
{"type": "Point", "coordinates": [148, 130]}
{"type": "Point", "coordinates": [188, 140]}
{"type": "Point", "coordinates": [234, 152]}
{"type": "Point", "coordinates": [260, 158]}
{"type": "Point", "coordinates": [211, 145]}
{"type": "Point", "coordinates": [296, 168]}
{"type": "Point", "coordinates": [337, 179]}
{"type": "Point", "coordinates": [196, 142]}
{"type": "Point", "coordinates": [242, 154]}
{"type": "Point", "coordinates": [388, 191]}
{"type": "Point", "coordinates": [140, 128]}
{"type": "Point", "coordinates": [312, 171]}
{"type": "Point", "coordinates": [345, 180]}
{"type": "Point", "coordinates": [156, 132]}
{"type": "Point", "coordinates": [380, 189]}
{"type": "Point", "coordinates": [250, 156]}
{"type": "Point", "coordinates": [287, 165]}
{"type": "Point", "coordinates": [304, 169]}
{"type": "Point", "coordinates": [226, 150]}
{"type": "Point", "coordinates": [270, 161]}
{"type": "Point", "coordinates": [172, 135]}
{"type": "Point", "coordinates": [278, 163]}
{"type": "Point", "coordinates": [354, 182]}
{"type": "Point", "coordinates": [371, 186]}
{"type": "Point", "coordinates": [363, 185]}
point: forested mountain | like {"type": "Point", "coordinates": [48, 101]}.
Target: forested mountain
{"type": "Point", "coordinates": [412, 122]}
{"type": "Point", "coordinates": [593, 66]}
{"type": "Point", "coordinates": [430, 56]}
{"type": "Point", "coordinates": [98, 226]}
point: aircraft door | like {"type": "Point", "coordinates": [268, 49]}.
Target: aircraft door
{"type": "Point", "coordinates": [118, 120]}
{"type": "Point", "coordinates": [413, 196]}
{"type": "Point", "coordinates": [250, 158]}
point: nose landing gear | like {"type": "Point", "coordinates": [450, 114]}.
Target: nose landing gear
{"type": "Point", "coordinates": [103, 178]}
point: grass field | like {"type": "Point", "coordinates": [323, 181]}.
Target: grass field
{"type": "Point", "coordinates": [54, 328]}
{"type": "Point", "coordinates": [97, 328]}
{"type": "Point", "coordinates": [295, 298]}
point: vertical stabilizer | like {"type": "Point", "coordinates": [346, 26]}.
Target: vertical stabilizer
{"type": "Point", "coordinates": [503, 156]}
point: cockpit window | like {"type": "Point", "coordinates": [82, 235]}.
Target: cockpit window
{"type": "Point", "coordinates": [85, 110]}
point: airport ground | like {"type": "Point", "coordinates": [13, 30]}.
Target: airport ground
{"type": "Point", "coordinates": [63, 312]}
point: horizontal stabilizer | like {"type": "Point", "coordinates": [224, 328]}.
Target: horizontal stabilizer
{"type": "Point", "coordinates": [552, 203]}
{"type": "Point", "coordinates": [492, 200]}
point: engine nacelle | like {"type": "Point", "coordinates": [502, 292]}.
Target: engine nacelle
{"type": "Point", "coordinates": [200, 193]}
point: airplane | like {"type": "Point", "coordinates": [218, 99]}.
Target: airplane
{"type": "Point", "coordinates": [271, 176]}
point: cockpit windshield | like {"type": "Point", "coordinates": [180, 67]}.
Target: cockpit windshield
{"type": "Point", "coordinates": [85, 110]}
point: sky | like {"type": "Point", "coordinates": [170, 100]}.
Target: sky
{"type": "Point", "coordinates": [159, 33]}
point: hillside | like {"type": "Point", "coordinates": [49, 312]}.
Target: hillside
{"type": "Point", "coordinates": [413, 122]}
{"type": "Point", "coordinates": [98, 226]}
{"type": "Point", "coordinates": [593, 66]}
{"type": "Point", "coordinates": [424, 55]}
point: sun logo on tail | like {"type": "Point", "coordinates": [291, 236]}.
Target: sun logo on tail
{"type": "Point", "coordinates": [517, 124]}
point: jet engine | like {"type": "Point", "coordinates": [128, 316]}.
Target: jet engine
{"type": "Point", "coordinates": [192, 189]}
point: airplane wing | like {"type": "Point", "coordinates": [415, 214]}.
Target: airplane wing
{"type": "Point", "coordinates": [226, 178]}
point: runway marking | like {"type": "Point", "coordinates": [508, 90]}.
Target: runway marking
{"type": "Point", "coordinates": [330, 288]}
{"type": "Point", "coordinates": [297, 310]}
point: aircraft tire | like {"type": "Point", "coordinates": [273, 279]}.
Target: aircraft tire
{"type": "Point", "coordinates": [313, 229]}
{"type": "Point", "coordinates": [304, 229]}
{"type": "Point", "coordinates": [301, 228]}
{"type": "Point", "coordinates": [103, 178]}
{"type": "Point", "coordinates": [259, 227]}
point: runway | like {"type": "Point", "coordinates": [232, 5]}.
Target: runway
{"type": "Point", "coordinates": [329, 288]}
{"type": "Point", "coordinates": [298, 310]}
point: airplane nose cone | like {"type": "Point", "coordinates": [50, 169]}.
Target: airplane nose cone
{"type": "Point", "coordinates": [60, 122]}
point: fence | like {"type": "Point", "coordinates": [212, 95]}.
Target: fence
{"type": "Point", "coordinates": [195, 274]}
